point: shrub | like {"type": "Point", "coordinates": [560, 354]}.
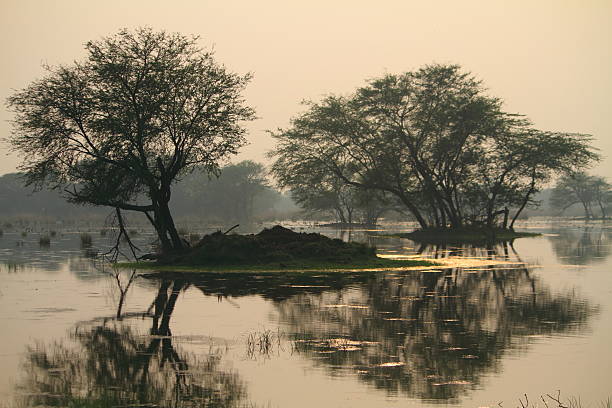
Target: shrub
{"type": "Point", "coordinates": [86, 240]}
{"type": "Point", "coordinates": [44, 240]}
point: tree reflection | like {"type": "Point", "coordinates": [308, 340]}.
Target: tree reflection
{"type": "Point", "coordinates": [112, 364]}
{"type": "Point", "coordinates": [429, 333]}
{"type": "Point", "coordinates": [582, 246]}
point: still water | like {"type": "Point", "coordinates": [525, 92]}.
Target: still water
{"type": "Point", "coordinates": [492, 324]}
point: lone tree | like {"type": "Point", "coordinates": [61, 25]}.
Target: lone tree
{"type": "Point", "coordinates": [436, 141]}
{"type": "Point", "coordinates": [117, 129]}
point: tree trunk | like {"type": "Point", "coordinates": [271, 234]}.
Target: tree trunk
{"type": "Point", "coordinates": [415, 212]}
{"type": "Point", "coordinates": [506, 213]}
{"type": "Point", "coordinates": [177, 242]}
{"type": "Point", "coordinates": [602, 208]}
{"type": "Point", "coordinates": [524, 203]}
{"type": "Point", "coordinates": [163, 223]}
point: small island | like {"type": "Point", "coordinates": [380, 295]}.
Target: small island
{"type": "Point", "coordinates": [465, 235]}
{"type": "Point", "coordinates": [275, 249]}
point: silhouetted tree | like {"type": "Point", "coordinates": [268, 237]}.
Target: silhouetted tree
{"type": "Point", "coordinates": [117, 129]}
{"type": "Point", "coordinates": [435, 140]}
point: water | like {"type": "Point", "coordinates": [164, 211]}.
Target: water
{"type": "Point", "coordinates": [489, 326]}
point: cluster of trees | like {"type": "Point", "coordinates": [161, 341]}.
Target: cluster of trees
{"type": "Point", "coordinates": [432, 139]}
{"type": "Point", "coordinates": [239, 194]}
{"type": "Point", "coordinates": [324, 194]}
{"type": "Point", "coordinates": [593, 193]}
{"type": "Point", "coordinates": [146, 109]}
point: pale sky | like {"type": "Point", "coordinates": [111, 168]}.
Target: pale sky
{"type": "Point", "coordinates": [549, 60]}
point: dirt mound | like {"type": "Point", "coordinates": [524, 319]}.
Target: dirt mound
{"type": "Point", "coordinates": [273, 245]}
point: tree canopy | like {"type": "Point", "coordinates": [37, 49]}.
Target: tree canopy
{"type": "Point", "coordinates": [117, 129]}
{"type": "Point", "coordinates": [238, 195]}
{"type": "Point", "coordinates": [586, 190]}
{"type": "Point", "coordinates": [434, 139]}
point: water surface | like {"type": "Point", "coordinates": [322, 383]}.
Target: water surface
{"type": "Point", "coordinates": [532, 316]}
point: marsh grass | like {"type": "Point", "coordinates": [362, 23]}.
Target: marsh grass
{"type": "Point", "coordinates": [264, 343]}
{"type": "Point", "coordinates": [377, 265]}
{"type": "Point", "coordinates": [557, 401]}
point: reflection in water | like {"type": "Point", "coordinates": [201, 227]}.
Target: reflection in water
{"type": "Point", "coordinates": [493, 251]}
{"type": "Point", "coordinates": [111, 365]}
{"type": "Point", "coordinates": [425, 333]}
{"type": "Point", "coordinates": [582, 246]}
{"type": "Point", "coordinates": [429, 334]}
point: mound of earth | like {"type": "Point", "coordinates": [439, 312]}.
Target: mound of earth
{"type": "Point", "coordinates": [276, 245]}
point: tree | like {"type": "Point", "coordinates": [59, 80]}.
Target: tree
{"type": "Point", "coordinates": [231, 196]}
{"type": "Point", "coordinates": [581, 188]}
{"type": "Point", "coordinates": [324, 192]}
{"type": "Point", "coordinates": [436, 141]}
{"type": "Point", "coordinates": [119, 128]}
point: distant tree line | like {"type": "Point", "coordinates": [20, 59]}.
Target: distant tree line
{"type": "Point", "coordinates": [16, 199]}
{"type": "Point", "coordinates": [592, 193]}
{"type": "Point", "coordinates": [240, 193]}
{"type": "Point", "coordinates": [434, 141]}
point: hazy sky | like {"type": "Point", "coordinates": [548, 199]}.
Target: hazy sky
{"type": "Point", "coordinates": [549, 60]}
